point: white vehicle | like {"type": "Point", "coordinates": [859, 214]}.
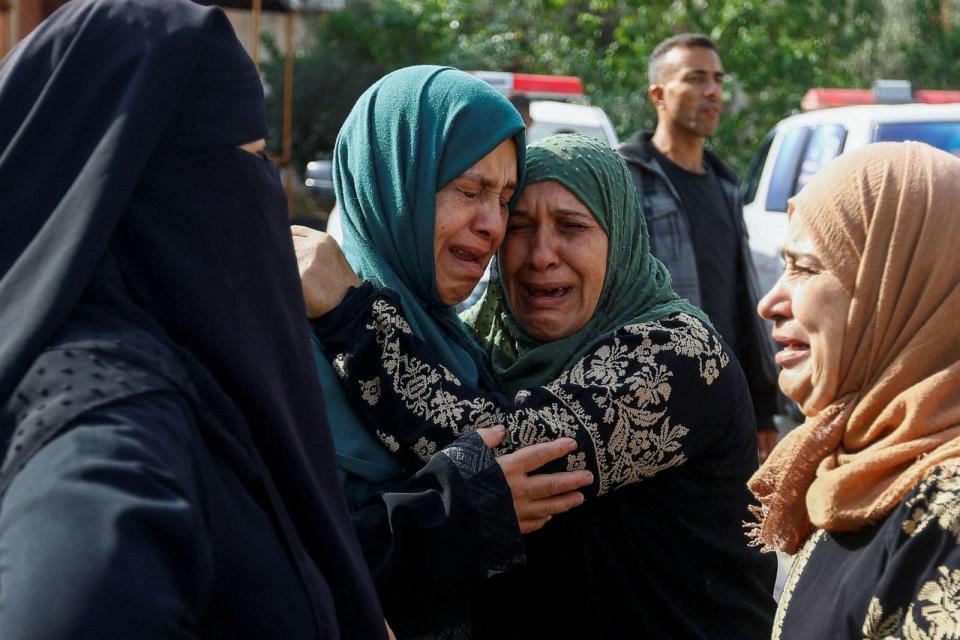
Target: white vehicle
{"type": "Point", "coordinates": [799, 145]}
{"type": "Point", "coordinates": [556, 105]}
{"type": "Point", "coordinates": [550, 116]}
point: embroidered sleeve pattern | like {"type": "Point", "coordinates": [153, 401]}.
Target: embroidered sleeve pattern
{"type": "Point", "coordinates": [615, 402]}
{"type": "Point", "coordinates": [932, 610]}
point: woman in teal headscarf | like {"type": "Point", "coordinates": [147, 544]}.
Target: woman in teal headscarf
{"type": "Point", "coordinates": [409, 135]}
{"type": "Point", "coordinates": [586, 336]}
{"type": "Point", "coordinates": [424, 168]}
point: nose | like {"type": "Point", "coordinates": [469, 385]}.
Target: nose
{"type": "Point", "coordinates": [490, 221]}
{"type": "Point", "coordinates": [543, 252]}
{"type": "Point", "coordinates": [777, 303]}
{"type": "Point", "coordinates": [713, 89]}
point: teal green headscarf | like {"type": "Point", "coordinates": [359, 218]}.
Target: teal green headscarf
{"type": "Point", "coordinates": [636, 287]}
{"type": "Point", "coordinates": [408, 136]}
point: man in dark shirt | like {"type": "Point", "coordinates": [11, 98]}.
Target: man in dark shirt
{"type": "Point", "coordinates": [692, 205]}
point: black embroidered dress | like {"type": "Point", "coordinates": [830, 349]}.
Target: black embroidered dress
{"type": "Point", "coordinates": [662, 418]}
{"type": "Point", "coordinates": [898, 578]}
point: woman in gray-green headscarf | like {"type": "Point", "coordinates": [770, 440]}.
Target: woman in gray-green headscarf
{"type": "Point", "coordinates": [636, 286]}
{"type": "Point", "coordinates": [589, 341]}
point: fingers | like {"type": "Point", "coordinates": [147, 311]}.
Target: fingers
{"type": "Point", "coordinates": [546, 507]}
{"type": "Point", "coordinates": [526, 526]}
{"type": "Point", "coordinates": [552, 484]}
{"type": "Point", "coordinates": [535, 456]}
{"type": "Point", "coordinates": [492, 436]}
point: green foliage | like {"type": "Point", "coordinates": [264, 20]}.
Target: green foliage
{"type": "Point", "coordinates": [773, 51]}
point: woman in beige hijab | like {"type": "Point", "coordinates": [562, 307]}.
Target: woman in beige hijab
{"type": "Point", "coordinates": [867, 491]}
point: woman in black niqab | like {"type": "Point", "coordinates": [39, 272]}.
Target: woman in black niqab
{"type": "Point", "coordinates": [146, 274]}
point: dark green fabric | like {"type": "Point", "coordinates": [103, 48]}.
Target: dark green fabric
{"type": "Point", "coordinates": [408, 136]}
{"type": "Point", "coordinates": [636, 287]}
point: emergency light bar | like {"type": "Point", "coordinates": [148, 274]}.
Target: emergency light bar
{"type": "Point", "coordinates": [532, 84]}
{"type": "Point", "coordinates": [883, 92]}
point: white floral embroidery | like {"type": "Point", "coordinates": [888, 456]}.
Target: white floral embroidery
{"type": "Point", "coordinates": [623, 412]}
{"type": "Point", "coordinates": [576, 461]}
{"type": "Point", "coordinates": [386, 317]}
{"type": "Point", "coordinates": [424, 449]}
{"type": "Point", "coordinates": [933, 615]}
{"type": "Point", "coordinates": [447, 411]}
{"type": "Point", "coordinates": [937, 500]}
{"type": "Point", "coordinates": [370, 391]}
{"type": "Point", "coordinates": [389, 441]}
{"type": "Point", "coordinates": [449, 377]}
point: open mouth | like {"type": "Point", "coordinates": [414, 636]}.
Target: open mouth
{"type": "Point", "coordinates": [555, 292]}
{"type": "Point", "coordinates": [464, 255]}
{"type": "Point", "coordinates": [546, 297]}
{"type": "Point", "coordinates": [791, 352]}
{"type": "Point", "coordinates": [471, 262]}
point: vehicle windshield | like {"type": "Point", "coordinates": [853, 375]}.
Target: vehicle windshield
{"type": "Point", "coordinates": [943, 135]}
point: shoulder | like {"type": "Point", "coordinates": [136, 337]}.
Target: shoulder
{"type": "Point", "coordinates": [680, 341]}
{"type": "Point", "coordinates": [154, 434]}
{"type": "Point", "coordinates": [933, 507]}
{"type": "Point", "coordinates": [115, 502]}
{"type": "Point", "coordinates": [636, 151]}
{"type": "Point", "coordinates": [650, 361]}
{"type": "Point", "coordinates": [69, 380]}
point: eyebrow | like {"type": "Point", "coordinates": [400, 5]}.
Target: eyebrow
{"type": "Point", "coordinates": [565, 212]}
{"type": "Point", "coordinates": [487, 182]}
{"type": "Point", "coordinates": [795, 255]}
{"type": "Point", "coordinates": [573, 212]}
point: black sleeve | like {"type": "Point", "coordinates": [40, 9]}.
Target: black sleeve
{"type": "Point", "coordinates": [617, 402]}
{"type": "Point", "coordinates": [99, 533]}
{"type": "Point", "coordinates": [447, 527]}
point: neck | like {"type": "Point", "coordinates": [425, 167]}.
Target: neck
{"type": "Point", "coordinates": [681, 147]}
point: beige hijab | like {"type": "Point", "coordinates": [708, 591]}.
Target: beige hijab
{"type": "Point", "coordinates": [886, 221]}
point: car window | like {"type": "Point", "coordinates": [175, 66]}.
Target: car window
{"type": "Point", "coordinates": [784, 177]}
{"type": "Point", "coordinates": [825, 144]}
{"type": "Point", "coordinates": [750, 183]}
{"type": "Point", "coordinates": [942, 135]}
{"type": "Point", "coordinates": [539, 130]}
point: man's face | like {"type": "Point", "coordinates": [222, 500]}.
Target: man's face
{"type": "Point", "coordinates": [690, 94]}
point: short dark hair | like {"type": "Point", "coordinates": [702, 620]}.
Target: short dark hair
{"type": "Point", "coordinates": [655, 66]}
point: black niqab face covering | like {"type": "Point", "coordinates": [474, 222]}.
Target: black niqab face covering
{"type": "Point", "coordinates": [119, 162]}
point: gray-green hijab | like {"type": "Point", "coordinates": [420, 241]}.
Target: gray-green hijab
{"type": "Point", "coordinates": [636, 287]}
{"type": "Point", "coordinates": [408, 136]}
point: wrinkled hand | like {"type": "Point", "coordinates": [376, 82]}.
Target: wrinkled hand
{"type": "Point", "coordinates": [766, 441]}
{"type": "Point", "coordinates": [536, 498]}
{"type": "Point", "coordinates": [325, 274]}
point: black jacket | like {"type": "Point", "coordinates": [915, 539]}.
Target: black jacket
{"type": "Point", "coordinates": [671, 241]}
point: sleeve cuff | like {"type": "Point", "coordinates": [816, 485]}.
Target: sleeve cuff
{"type": "Point", "coordinates": [344, 314]}
{"type": "Point", "coordinates": [491, 498]}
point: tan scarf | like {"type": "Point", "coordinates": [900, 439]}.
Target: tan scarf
{"type": "Point", "coordinates": [885, 220]}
